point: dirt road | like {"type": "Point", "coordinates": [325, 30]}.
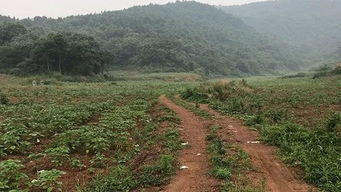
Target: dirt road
{"type": "Point", "coordinates": [196, 177]}
{"type": "Point", "coordinates": [279, 178]}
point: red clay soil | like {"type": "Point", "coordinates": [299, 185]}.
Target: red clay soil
{"type": "Point", "coordinates": [279, 177]}
{"type": "Point", "coordinates": [196, 177]}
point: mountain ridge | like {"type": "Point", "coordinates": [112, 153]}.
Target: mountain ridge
{"type": "Point", "coordinates": [177, 37]}
{"type": "Point", "coordinates": [311, 27]}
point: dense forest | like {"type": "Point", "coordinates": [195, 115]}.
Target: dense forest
{"type": "Point", "coordinates": [311, 27]}
{"type": "Point", "coordinates": [24, 52]}
{"type": "Point", "coordinates": [177, 37]}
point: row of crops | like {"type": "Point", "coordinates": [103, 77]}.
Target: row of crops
{"type": "Point", "coordinates": [70, 137]}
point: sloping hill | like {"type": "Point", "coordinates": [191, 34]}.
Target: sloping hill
{"type": "Point", "coordinates": [182, 36]}
{"type": "Point", "coordinates": [311, 27]}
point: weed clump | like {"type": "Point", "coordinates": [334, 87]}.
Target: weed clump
{"type": "Point", "coordinates": [315, 151]}
{"type": "Point", "coordinates": [3, 99]}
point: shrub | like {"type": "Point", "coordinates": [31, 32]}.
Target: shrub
{"type": "Point", "coordinates": [222, 173]}
{"type": "Point", "coordinates": [119, 179]}
{"type": "Point", "coordinates": [159, 173]}
{"type": "Point", "coordinates": [333, 122]}
{"type": "Point", "coordinates": [3, 99]}
{"type": "Point", "coordinates": [10, 175]}
{"type": "Point", "coordinates": [58, 154]}
{"type": "Point", "coordinates": [194, 94]}
{"type": "Point", "coordinates": [48, 180]}
{"type": "Point", "coordinates": [98, 161]}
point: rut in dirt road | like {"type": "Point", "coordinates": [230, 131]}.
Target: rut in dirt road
{"type": "Point", "coordinates": [196, 177]}
{"type": "Point", "coordinates": [278, 176]}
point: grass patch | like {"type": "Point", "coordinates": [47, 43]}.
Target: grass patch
{"type": "Point", "coordinates": [229, 163]}
{"type": "Point", "coordinates": [299, 115]}
{"type": "Point", "coordinates": [193, 108]}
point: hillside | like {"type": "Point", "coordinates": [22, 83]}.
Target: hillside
{"type": "Point", "coordinates": [177, 37]}
{"type": "Point", "coordinates": [311, 27]}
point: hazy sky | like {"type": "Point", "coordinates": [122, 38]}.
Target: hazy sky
{"type": "Point", "coordinates": [62, 8]}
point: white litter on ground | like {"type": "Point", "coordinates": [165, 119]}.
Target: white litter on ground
{"type": "Point", "coordinates": [183, 167]}
{"type": "Point", "coordinates": [184, 144]}
{"type": "Point", "coordinates": [198, 154]}
{"type": "Point", "coordinates": [253, 142]}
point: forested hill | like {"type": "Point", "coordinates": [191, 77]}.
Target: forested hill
{"type": "Point", "coordinates": [312, 27]}
{"type": "Point", "coordinates": [182, 36]}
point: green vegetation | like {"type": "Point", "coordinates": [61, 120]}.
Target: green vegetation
{"type": "Point", "coordinates": [24, 51]}
{"type": "Point", "coordinates": [101, 131]}
{"type": "Point", "coordinates": [310, 28]}
{"type": "Point", "coordinates": [90, 111]}
{"type": "Point", "coordinates": [221, 166]}
{"type": "Point", "coordinates": [194, 108]}
{"type": "Point", "coordinates": [154, 172]}
{"type": "Point", "coordinates": [48, 180]}
{"type": "Point", "coordinates": [106, 130]}
{"type": "Point", "coordinates": [177, 37]}
{"type": "Point", "coordinates": [229, 164]}
{"type": "Point", "coordinates": [10, 175]}
{"type": "Point", "coordinates": [328, 70]}
{"type": "Point", "coordinates": [299, 115]}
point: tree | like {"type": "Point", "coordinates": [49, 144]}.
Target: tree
{"type": "Point", "coordinates": [50, 50]}
{"type": "Point", "coordinates": [10, 30]}
{"type": "Point", "coordinates": [66, 53]}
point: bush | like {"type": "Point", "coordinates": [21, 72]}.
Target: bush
{"type": "Point", "coordinates": [194, 95]}
{"type": "Point", "coordinates": [333, 122]}
{"type": "Point", "coordinates": [48, 180]}
{"type": "Point", "coordinates": [119, 179]}
{"type": "Point", "coordinates": [10, 176]}
{"type": "Point", "coordinates": [3, 99]}
{"type": "Point", "coordinates": [222, 173]}
{"type": "Point", "coordinates": [159, 173]}
{"type": "Point", "coordinates": [58, 155]}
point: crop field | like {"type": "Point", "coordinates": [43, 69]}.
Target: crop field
{"type": "Point", "coordinates": [56, 137]}
{"type": "Point", "coordinates": [117, 136]}
{"type": "Point", "coordinates": [170, 96]}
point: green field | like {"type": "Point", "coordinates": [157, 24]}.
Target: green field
{"type": "Point", "coordinates": [102, 133]}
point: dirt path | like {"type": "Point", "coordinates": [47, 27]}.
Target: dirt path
{"type": "Point", "coordinates": [278, 176]}
{"type": "Point", "coordinates": [195, 178]}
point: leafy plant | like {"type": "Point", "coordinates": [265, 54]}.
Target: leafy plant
{"type": "Point", "coordinates": [222, 173]}
{"type": "Point", "coordinates": [10, 175]}
{"type": "Point", "coordinates": [98, 160]}
{"type": "Point", "coordinates": [48, 180]}
{"type": "Point", "coordinates": [58, 154]}
{"type": "Point", "coordinates": [76, 163]}
{"type": "Point", "coordinates": [157, 174]}
{"type": "Point", "coordinates": [119, 179]}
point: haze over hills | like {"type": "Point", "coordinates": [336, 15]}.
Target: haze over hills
{"type": "Point", "coordinates": [193, 37]}
{"type": "Point", "coordinates": [182, 36]}
{"type": "Point", "coordinates": [311, 27]}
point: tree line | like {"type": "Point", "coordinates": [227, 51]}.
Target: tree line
{"type": "Point", "coordinates": [25, 52]}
